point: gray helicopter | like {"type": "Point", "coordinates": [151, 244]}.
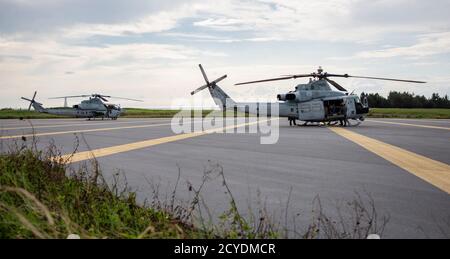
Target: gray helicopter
{"type": "Point", "coordinates": [313, 102]}
{"type": "Point", "coordinates": [94, 107]}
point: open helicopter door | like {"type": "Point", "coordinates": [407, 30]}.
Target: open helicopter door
{"type": "Point", "coordinates": [336, 108]}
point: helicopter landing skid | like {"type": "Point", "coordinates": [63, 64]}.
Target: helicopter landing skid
{"type": "Point", "coordinates": [353, 123]}
{"type": "Point", "coordinates": [312, 124]}
{"type": "Point", "coordinates": [350, 123]}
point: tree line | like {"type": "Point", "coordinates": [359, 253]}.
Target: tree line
{"type": "Point", "coordinates": [406, 100]}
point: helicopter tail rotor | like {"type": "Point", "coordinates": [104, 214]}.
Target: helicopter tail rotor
{"type": "Point", "coordinates": [208, 83]}
{"type": "Point", "coordinates": [32, 101]}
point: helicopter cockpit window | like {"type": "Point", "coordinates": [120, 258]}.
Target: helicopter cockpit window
{"type": "Point", "coordinates": [305, 87]}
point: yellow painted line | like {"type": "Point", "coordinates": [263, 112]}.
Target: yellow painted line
{"type": "Point", "coordinates": [72, 125]}
{"type": "Point", "coordinates": [429, 170]}
{"type": "Point", "coordinates": [101, 152]}
{"type": "Point", "coordinates": [409, 124]}
{"type": "Point", "coordinates": [82, 131]}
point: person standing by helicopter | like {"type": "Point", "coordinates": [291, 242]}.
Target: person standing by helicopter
{"type": "Point", "coordinates": [292, 121]}
{"type": "Point", "coordinates": [343, 110]}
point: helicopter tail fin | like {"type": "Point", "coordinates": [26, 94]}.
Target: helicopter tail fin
{"type": "Point", "coordinates": [222, 99]}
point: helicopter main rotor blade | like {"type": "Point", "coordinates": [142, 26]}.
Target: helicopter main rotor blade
{"type": "Point", "coordinates": [275, 79]}
{"type": "Point", "coordinates": [26, 99]}
{"type": "Point", "coordinates": [204, 74]}
{"type": "Point", "coordinates": [199, 89]}
{"type": "Point", "coordinates": [338, 86]}
{"type": "Point", "coordinates": [34, 96]}
{"type": "Point", "coordinates": [390, 79]}
{"type": "Point", "coordinates": [136, 100]}
{"type": "Point", "coordinates": [377, 78]}
{"type": "Point", "coordinates": [73, 96]}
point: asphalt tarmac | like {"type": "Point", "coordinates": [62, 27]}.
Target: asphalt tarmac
{"type": "Point", "coordinates": [305, 163]}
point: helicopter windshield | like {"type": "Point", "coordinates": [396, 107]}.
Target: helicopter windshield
{"type": "Point", "coordinates": [114, 107]}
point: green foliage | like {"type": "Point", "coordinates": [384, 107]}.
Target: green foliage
{"type": "Point", "coordinates": [38, 199]}
{"type": "Point", "coordinates": [407, 100]}
{"type": "Point", "coordinates": [8, 113]}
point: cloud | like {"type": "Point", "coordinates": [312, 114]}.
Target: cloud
{"type": "Point", "coordinates": [427, 45]}
{"type": "Point", "coordinates": [52, 57]}
{"type": "Point", "coordinates": [48, 16]}
{"type": "Point", "coordinates": [154, 23]}
{"type": "Point", "coordinates": [158, 22]}
{"type": "Point", "coordinates": [217, 39]}
{"type": "Point", "coordinates": [59, 45]}
{"type": "Point", "coordinates": [285, 20]}
{"type": "Point", "coordinates": [334, 20]}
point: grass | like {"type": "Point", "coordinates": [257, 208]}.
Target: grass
{"type": "Point", "coordinates": [41, 198]}
{"type": "Point", "coordinates": [25, 114]}
{"type": "Point", "coordinates": [38, 200]}
{"type": "Point", "coordinates": [409, 113]}
{"type": "Point", "coordinates": [129, 113]}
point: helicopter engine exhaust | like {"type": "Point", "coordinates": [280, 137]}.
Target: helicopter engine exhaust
{"type": "Point", "coordinates": [281, 97]}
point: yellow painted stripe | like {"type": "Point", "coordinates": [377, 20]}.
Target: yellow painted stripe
{"type": "Point", "coordinates": [432, 171]}
{"type": "Point", "coordinates": [101, 152]}
{"type": "Point", "coordinates": [409, 124]}
{"type": "Point", "coordinates": [82, 131]}
{"type": "Point", "coordinates": [73, 125]}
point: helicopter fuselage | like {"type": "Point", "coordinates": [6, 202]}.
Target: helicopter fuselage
{"type": "Point", "coordinates": [92, 108]}
{"type": "Point", "coordinates": [312, 102]}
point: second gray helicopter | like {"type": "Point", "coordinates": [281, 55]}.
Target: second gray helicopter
{"type": "Point", "coordinates": [94, 107]}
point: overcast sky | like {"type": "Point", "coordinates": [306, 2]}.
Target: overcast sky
{"type": "Point", "coordinates": [150, 49]}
